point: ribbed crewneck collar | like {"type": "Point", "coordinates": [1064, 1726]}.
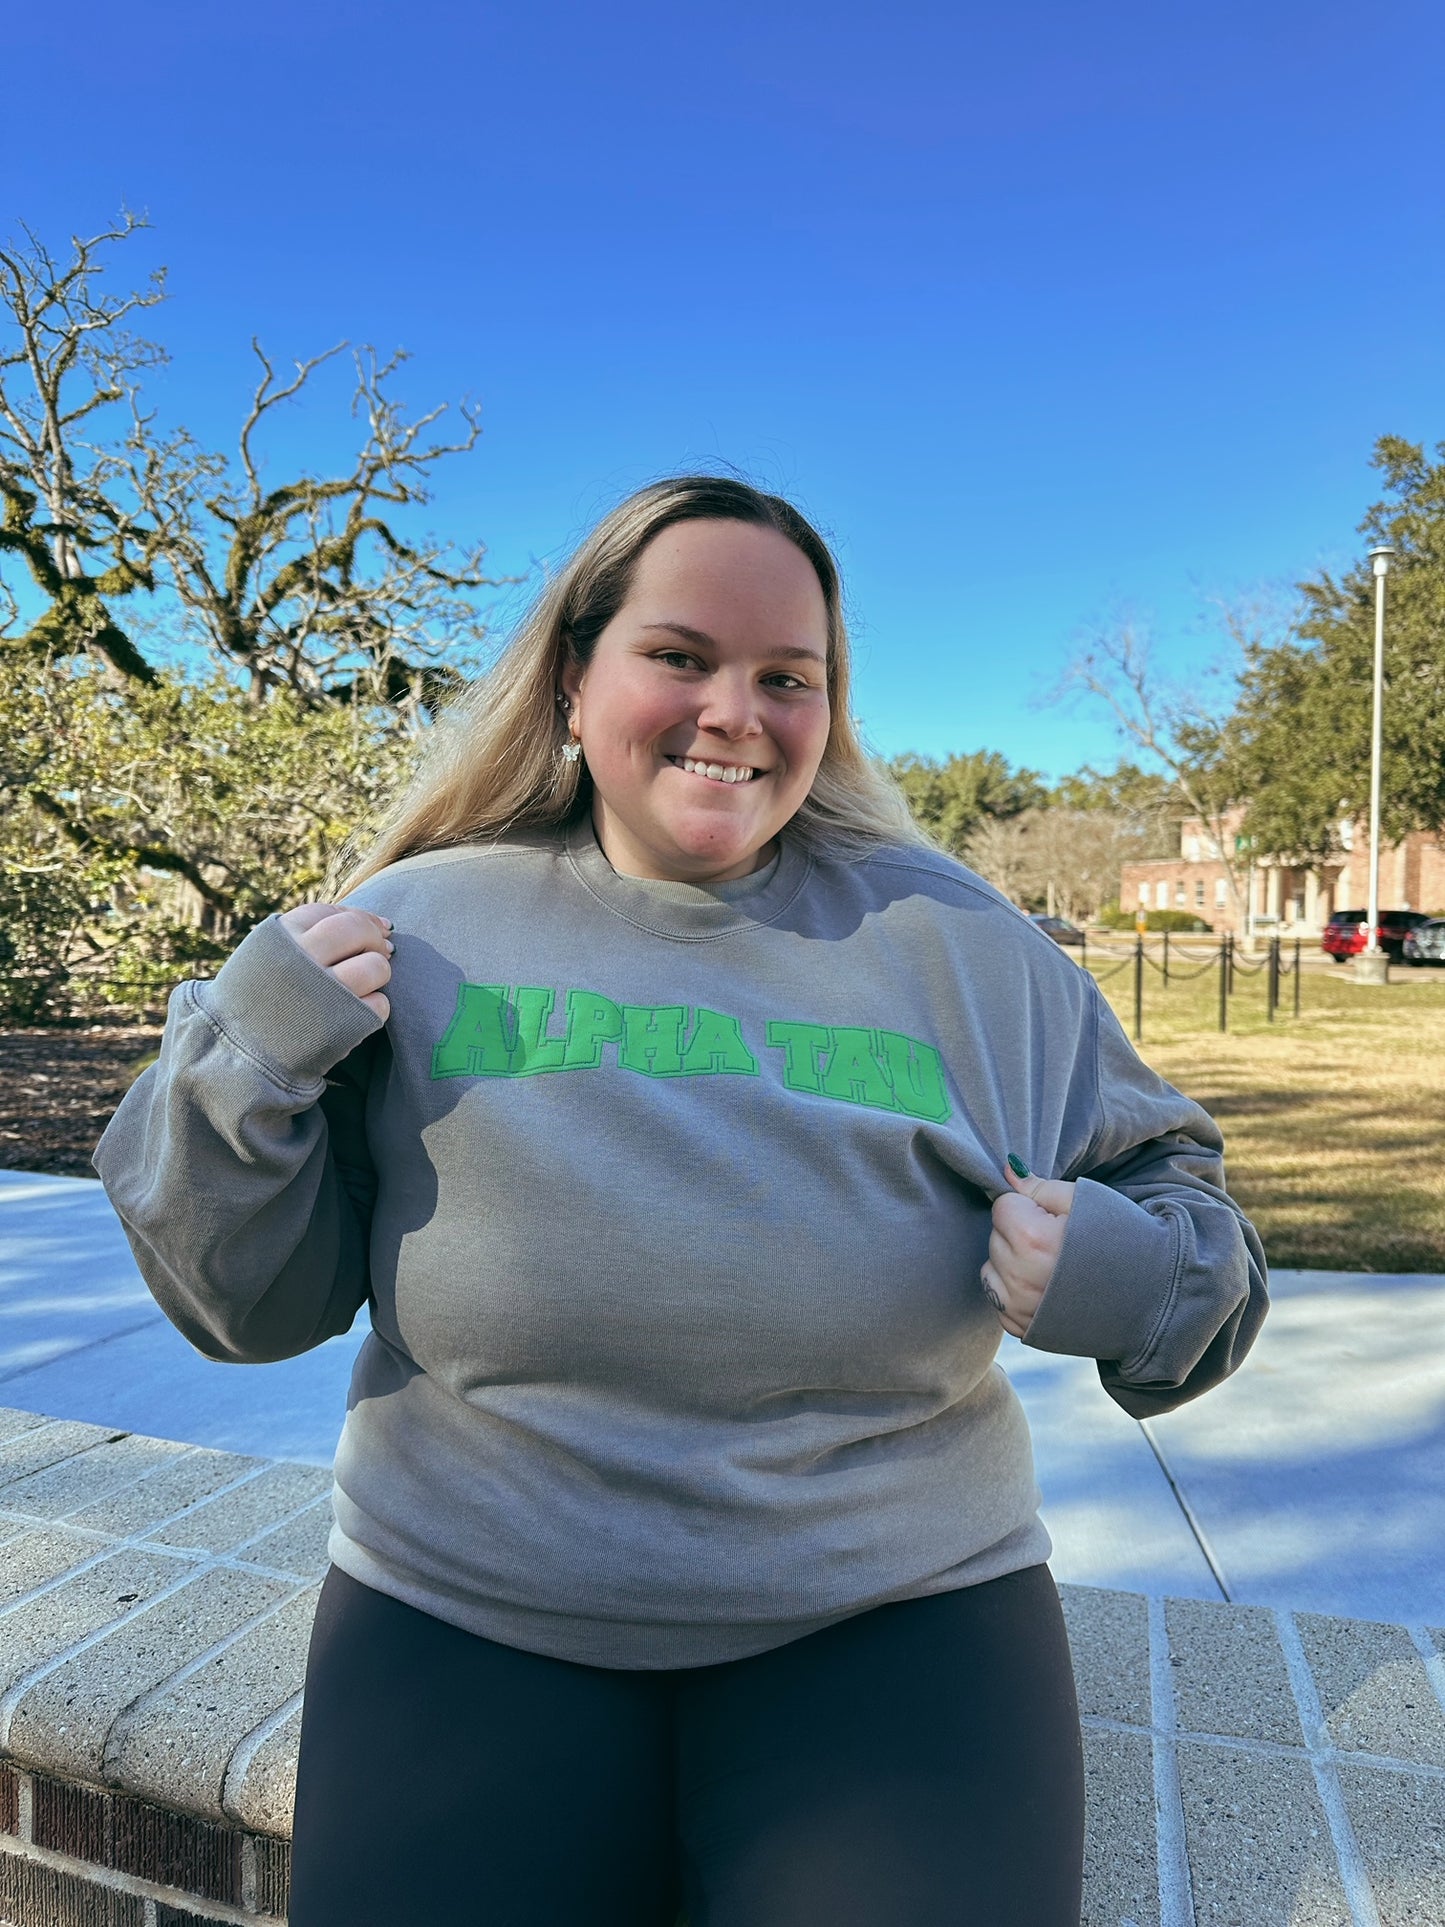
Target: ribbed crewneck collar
{"type": "Point", "coordinates": [684, 910]}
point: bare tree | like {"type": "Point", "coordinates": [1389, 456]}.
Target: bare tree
{"type": "Point", "coordinates": [998, 848]}
{"type": "Point", "coordinates": [1185, 736]}
{"type": "Point", "coordinates": [307, 582]}
{"type": "Point", "coordinates": [65, 356]}
{"type": "Point", "coordinates": [1074, 856]}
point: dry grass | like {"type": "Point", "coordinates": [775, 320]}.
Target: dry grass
{"type": "Point", "coordinates": [1334, 1122]}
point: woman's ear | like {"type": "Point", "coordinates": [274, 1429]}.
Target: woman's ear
{"type": "Point", "coordinates": [570, 681]}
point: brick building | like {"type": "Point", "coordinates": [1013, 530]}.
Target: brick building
{"type": "Point", "coordinates": [1291, 899]}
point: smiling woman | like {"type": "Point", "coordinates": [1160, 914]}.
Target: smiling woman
{"type": "Point", "coordinates": [692, 1132]}
{"type": "Point", "coordinates": [704, 728]}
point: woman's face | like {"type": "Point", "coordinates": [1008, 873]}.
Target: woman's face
{"type": "Point", "coordinates": [703, 712]}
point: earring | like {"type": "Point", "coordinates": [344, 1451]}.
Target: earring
{"type": "Point", "coordinates": [571, 751]}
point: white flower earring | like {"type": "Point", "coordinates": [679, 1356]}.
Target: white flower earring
{"type": "Point", "coordinates": [572, 749]}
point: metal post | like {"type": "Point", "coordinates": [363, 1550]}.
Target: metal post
{"type": "Point", "coordinates": [1271, 1001]}
{"type": "Point", "coordinates": [1371, 965]}
{"type": "Point", "coordinates": [1138, 989]}
{"type": "Point", "coordinates": [1166, 958]}
{"type": "Point", "coordinates": [1296, 976]}
{"type": "Point", "coordinates": [1229, 939]}
{"type": "Point", "coordinates": [1223, 983]}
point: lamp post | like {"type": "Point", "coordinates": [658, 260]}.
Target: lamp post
{"type": "Point", "coordinates": [1371, 965]}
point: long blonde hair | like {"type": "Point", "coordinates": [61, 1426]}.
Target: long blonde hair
{"type": "Point", "coordinates": [492, 761]}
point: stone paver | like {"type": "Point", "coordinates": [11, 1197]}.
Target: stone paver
{"type": "Point", "coordinates": [1258, 1841]}
{"type": "Point", "coordinates": [1399, 1823]}
{"type": "Point", "coordinates": [1375, 1694]}
{"type": "Point", "coordinates": [1121, 1864]}
{"type": "Point", "coordinates": [1229, 1672]}
{"type": "Point", "coordinates": [67, 1716]}
{"type": "Point", "coordinates": [176, 1745]}
{"type": "Point", "coordinates": [1109, 1639]}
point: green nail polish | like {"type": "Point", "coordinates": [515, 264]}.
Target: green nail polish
{"type": "Point", "coordinates": [1018, 1167]}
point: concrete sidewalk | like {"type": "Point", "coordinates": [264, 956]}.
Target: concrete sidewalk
{"type": "Point", "coordinates": [1312, 1481]}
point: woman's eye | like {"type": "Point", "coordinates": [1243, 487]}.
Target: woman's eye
{"type": "Point", "coordinates": [675, 658]}
{"type": "Point", "coordinates": [786, 681]}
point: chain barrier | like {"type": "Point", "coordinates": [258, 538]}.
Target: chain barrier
{"type": "Point", "coordinates": [1103, 976]}
{"type": "Point", "coordinates": [1223, 958]}
{"type": "Point", "coordinates": [1188, 976]}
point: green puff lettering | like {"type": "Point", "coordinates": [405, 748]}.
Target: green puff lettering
{"type": "Point", "coordinates": [801, 1044]}
{"type": "Point", "coordinates": [479, 1040]}
{"type": "Point", "coordinates": [652, 1039]}
{"type": "Point", "coordinates": [497, 1031]}
{"type": "Point", "coordinates": [716, 1046]}
{"type": "Point", "coordinates": [916, 1073]}
{"type": "Point", "coordinates": [853, 1072]}
{"type": "Point", "coordinates": [592, 1021]}
{"type": "Point", "coordinates": [535, 1050]}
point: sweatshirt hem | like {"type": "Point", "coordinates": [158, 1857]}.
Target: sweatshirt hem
{"type": "Point", "coordinates": [659, 1645]}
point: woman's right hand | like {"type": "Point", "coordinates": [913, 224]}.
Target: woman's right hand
{"type": "Point", "coordinates": [354, 945]}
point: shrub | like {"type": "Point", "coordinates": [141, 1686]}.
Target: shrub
{"type": "Point", "coordinates": [1156, 920]}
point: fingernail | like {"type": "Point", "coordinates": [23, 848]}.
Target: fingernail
{"type": "Point", "coordinates": [1018, 1167]}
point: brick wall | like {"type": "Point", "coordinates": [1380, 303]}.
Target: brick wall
{"type": "Point", "coordinates": [81, 1856]}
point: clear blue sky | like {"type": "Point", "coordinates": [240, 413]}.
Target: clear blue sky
{"type": "Point", "coordinates": [1041, 311]}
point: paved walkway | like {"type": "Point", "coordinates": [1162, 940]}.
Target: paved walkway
{"type": "Point", "coordinates": [1314, 1480]}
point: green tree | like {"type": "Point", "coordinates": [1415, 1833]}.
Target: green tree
{"type": "Point", "coordinates": [124, 810]}
{"type": "Point", "coordinates": [952, 798]}
{"type": "Point", "coordinates": [1299, 741]}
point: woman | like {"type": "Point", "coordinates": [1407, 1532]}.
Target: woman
{"type": "Point", "coordinates": [675, 1108]}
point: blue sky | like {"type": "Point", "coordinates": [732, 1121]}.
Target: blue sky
{"type": "Point", "coordinates": [1043, 313]}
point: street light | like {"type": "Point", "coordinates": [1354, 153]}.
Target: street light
{"type": "Point", "coordinates": [1371, 965]}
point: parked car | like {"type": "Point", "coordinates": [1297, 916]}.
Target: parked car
{"type": "Point", "coordinates": [1059, 928]}
{"type": "Point", "coordinates": [1345, 932]}
{"type": "Point", "coordinates": [1425, 944]}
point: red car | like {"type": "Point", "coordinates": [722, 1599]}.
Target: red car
{"type": "Point", "coordinates": [1345, 932]}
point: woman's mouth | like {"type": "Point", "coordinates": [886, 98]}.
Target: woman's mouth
{"type": "Point", "coordinates": [731, 773]}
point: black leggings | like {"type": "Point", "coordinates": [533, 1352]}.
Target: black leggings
{"type": "Point", "coordinates": [916, 1765]}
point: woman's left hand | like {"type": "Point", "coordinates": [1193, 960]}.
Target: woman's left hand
{"type": "Point", "coordinates": [1029, 1222]}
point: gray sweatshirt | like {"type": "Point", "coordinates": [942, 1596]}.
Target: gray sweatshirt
{"type": "Point", "coordinates": [668, 1208]}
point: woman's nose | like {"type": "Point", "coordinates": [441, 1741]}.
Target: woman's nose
{"type": "Point", "coordinates": [730, 707]}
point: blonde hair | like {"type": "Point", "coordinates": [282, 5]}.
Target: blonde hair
{"type": "Point", "coordinates": [492, 761]}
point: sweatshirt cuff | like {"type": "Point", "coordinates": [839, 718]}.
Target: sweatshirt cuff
{"type": "Point", "coordinates": [277, 1003]}
{"type": "Point", "coordinates": [1113, 1280]}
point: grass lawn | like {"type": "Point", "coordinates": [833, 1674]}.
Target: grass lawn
{"type": "Point", "coordinates": [1333, 1121]}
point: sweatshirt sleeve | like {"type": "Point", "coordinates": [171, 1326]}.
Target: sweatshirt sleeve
{"type": "Point", "coordinates": [237, 1162]}
{"type": "Point", "coordinates": [1161, 1277]}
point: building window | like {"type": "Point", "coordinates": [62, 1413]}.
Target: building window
{"type": "Point", "coordinates": [1179, 891]}
{"type": "Point", "coordinates": [1199, 893]}
{"type": "Point", "coordinates": [1143, 896]}
{"type": "Point", "coordinates": [1221, 893]}
{"type": "Point", "coordinates": [1161, 895]}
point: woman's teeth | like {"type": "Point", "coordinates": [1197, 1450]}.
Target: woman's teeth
{"type": "Point", "coordinates": [719, 772]}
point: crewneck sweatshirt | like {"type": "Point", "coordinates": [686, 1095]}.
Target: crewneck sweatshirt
{"type": "Point", "coordinates": [668, 1207]}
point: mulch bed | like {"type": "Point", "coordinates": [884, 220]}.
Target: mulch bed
{"type": "Point", "coordinates": [58, 1090]}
